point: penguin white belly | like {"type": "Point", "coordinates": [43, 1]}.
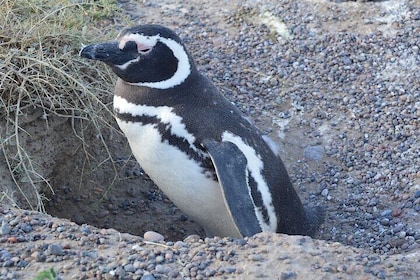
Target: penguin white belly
{"type": "Point", "coordinates": [180, 178]}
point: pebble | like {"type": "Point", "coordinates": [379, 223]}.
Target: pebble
{"type": "Point", "coordinates": [159, 259]}
{"type": "Point", "coordinates": [129, 268]}
{"type": "Point", "coordinates": [255, 257]}
{"type": "Point", "coordinates": [396, 212]}
{"type": "Point", "coordinates": [4, 228]}
{"type": "Point", "coordinates": [192, 238]}
{"type": "Point", "coordinates": [54, 249]}
{"type": "Point", "coordinates": [385, 222]}
{"type": "Point", "coordinates": [147, 277]}
{"type": "Point", "coordinates": [181, 244]}
{"type": "Point", "coordinates": [78, 218]}
{"type": "Point", "coordinates": [102, 213]}
{"type": "Point", "coordinates": [386, 213]}
{"type": "Point", "coordinates": [153, 236]}
{"type": "Point", "coordinates": [228, 269]}
{"type": "Point", "coordinates": [288, 275]}
{"type": "Point", "coordinates": [315, 153]}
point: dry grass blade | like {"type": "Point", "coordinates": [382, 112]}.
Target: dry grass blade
{"type": "Point", "coordinates": [40, 69]}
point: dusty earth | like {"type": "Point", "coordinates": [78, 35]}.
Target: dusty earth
{"type": "Point", "coordinates": [103, 186]}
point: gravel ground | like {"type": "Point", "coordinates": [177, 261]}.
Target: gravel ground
{"type": "Point", "coordinates": [337, 86]}
{"type": "Point", "coordinates": [33, 242]}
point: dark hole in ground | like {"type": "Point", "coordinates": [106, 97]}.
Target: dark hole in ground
{"type": "Point", "coordinates": [90, 189]}
{"type": "Point", "coordinates": [134, 205]}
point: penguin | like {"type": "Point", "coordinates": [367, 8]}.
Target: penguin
{"type": "Point", "coordinates": [208, 158]}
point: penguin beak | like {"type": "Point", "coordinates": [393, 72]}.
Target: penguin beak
{"type": "Point", "coordinates": [107, 52]}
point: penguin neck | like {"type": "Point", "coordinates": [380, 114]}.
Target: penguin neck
{"type": "Point", "coordinates": [153, 96]}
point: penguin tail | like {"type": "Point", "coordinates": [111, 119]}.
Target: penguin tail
{"type": "Point", "coordinates": [315, 217]}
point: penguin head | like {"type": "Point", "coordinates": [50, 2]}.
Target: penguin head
{"type": "Point", "coordinates": [145, 55]}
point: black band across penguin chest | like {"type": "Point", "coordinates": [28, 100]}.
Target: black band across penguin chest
{"type": "Point", "coordinates": [172, 132]}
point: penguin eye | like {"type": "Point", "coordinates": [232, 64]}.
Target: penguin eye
{"type": "Point", "coordinates": [130, 46]}
{"type": "Point", "coordinates": [143, 49]}
{"type": "Point", "coordinates": [133, 46]}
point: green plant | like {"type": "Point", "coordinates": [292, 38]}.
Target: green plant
{"type": "Point", "coordinates": [47, 275]}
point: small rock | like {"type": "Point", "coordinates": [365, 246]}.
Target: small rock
{"type": "Point", "coordinates": [159, 259]}
{"type": "Point", "coordinates": [396, 212]}
{"type": "Point", "coordinates": [240, 270]}
{"type": "Point", "coordinates": [179, 245]}
{"type": "Point", "coordinates": [169, 255]}
{"type": "Point", "coordinates": [162, 269]}
{"type": "Point", "coordinates": [361, 57]}
{"type": "Point", "coordinates": [240, 242]}
{"type": "Point", "coordinates": [55, 250]}
{"type": "Point", "coordinates": [85, 230]}
{"type": "Point", "coordinates": [60, 229]}
{"type": "Point", "coordinates": [12, 239]}
{"type": "Point", "coordinates": [153, 236]}
{"type": "Point", "coordinates": [4, 228]}
{"type": "Point", "coordinates": [14, 222]}
{"type": "Point", "coordinates": [78, 219]}
{"type": "Point", "coordinates": [210, 272]}
{"type": "Point", "coordinates": [288, 275]}
{"type": "Point", "coordinates": [186, 272]}
{"type": "Point", "coordinates": [129, 268]}
{"type": "Point", "coordinates": [27, 228]}
{"type": "Point", "coordinates": [346, 60]}
{"type": "Point", "coordinates": [398, 227]}
{"type": "Point", "coordinates": [385, 222]}
{"type": "Point", "coordinates": [255, 257]}
{"type": "Point", "coordinates": [386, 213]}
{"type": "Point", "coordinates": [192, 238]}
{"type": "Point", "coordinates": [90, 254]}
{"type": "Point", "coordinates": [5, 255]}
{"type": "Point", "coordinates": [147, 277]}
{"type": "Point", "coordinates": [183, 218]}
{"type": "Point", "coordinates": [173, 274]}
{"type": "Point", "coordinates": [314, 153]}
{"type": "Point", "coordinates": [102, 213]}
{"type": "Point", "coordinates": [38, 256]}
{"type": "Point", "coordinates": [351, 209]}
{"type": "Point", "coordinates": [229, 269]}
{"type": "Point", "coordinates": [274, 82]}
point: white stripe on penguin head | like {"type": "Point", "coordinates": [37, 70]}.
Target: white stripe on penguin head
{"type": "Point", "coordinates": [183, 69]}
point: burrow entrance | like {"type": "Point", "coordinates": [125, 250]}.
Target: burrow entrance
{"type": "Point", "coordinates": [95, 179]}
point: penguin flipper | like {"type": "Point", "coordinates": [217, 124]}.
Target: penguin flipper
{"type": "Point", "coordinates": [231, 169]}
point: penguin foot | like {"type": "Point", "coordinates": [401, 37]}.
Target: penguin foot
{"type": "Point", "coordinates": [315, 217]}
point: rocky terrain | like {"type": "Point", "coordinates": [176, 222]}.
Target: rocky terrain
{"type": "Point", "coordinates": [335, 84]}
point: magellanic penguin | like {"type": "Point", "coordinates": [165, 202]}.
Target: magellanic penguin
{"type": "Point", "coordinates": [198, 148]}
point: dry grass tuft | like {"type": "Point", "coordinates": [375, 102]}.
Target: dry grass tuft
{"type": "Point", "coordinates": [40, 68]}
